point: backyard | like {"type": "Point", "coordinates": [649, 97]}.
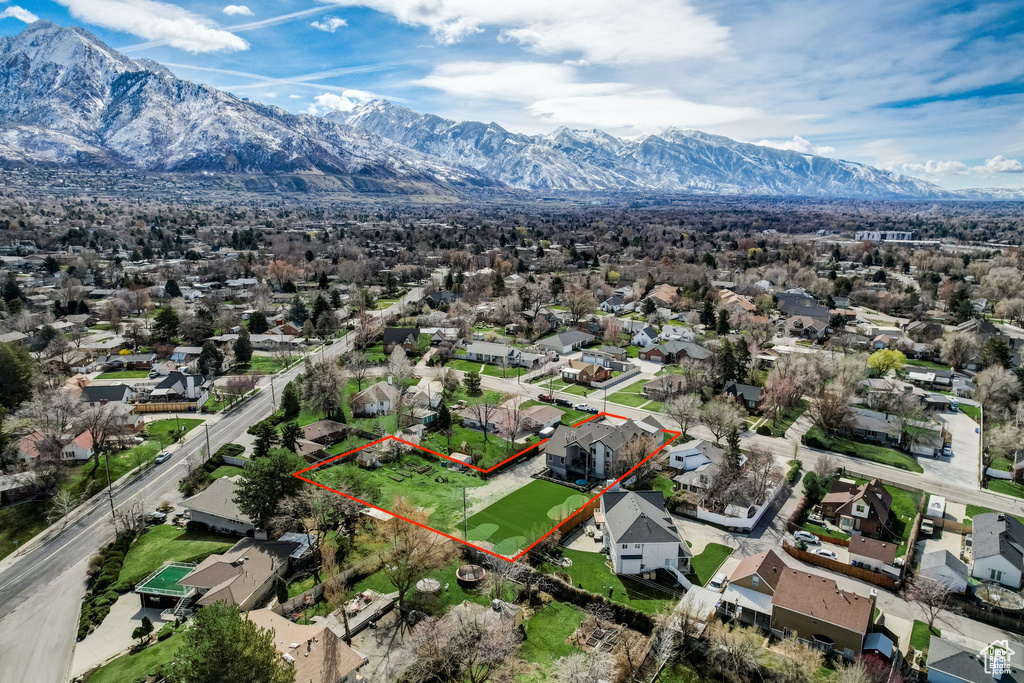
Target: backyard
{"type": "Point", "coordinates": [705, 564]}
{"type": "Point", "coordinates": [590, 571]}
{"type": "Point", "coordinates": [546, 633]}
{"type": "Point", "coordinates": [124, 374]}
{"type": "Point", "coordinates": [168, 543]}
{"type": "Point", "coordinates": [485, 452]}
{"type": "Point", "coordinates": [520, 518]}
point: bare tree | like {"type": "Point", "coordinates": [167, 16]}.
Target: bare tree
{"type": "Point", "coordinates": [580, 302]}
{"type": "Point", "coordinates": [323, 387]}
{"type": "Point", "coordinates": [735, 651]}
{"type": "Point", "coordinates": [634, 454]}
{"type": "Point", "coordinates": [103, 422]}
{"type": "Point", "coordinates": [854, 672]}
{"type": "Point", "coordinates": [512, 422]}
{"type": "Point", "coordinates": [358, 367]}
{"type": "Point", "coordinates": [830, 409]}
{"type": "Point", "coordinates": [762, 470]}
{"type": "Point", "coordinates": [597, 667]}
{"type": "Point", "coordinates": [49, 416]}
{"type": "Point", "coordinates": [127, 518]}
{"type": "Point", "coordinates": [955, 347]}
{"type": "Point", "coordinates": [685, 410]}
{"type": "Point", "coordinates": [411, 551]}
{"type": "Point", "coordinates": [826, 466]}
{"type": "Point", "coordinates": [483, 412]}
{"type": "Point", "coordinates": [367, 329]}
{"type": "Point", "coordinates": [449, 382]}
{"type": "Point", "coordinates": [720, 415]}
{"type": "Point", "coordinates": [932, 597]}
{"type": "Point", "coordinates": [61, 505]}
{"type": "Point", "coordinates": [798, 663]}
{"type": "Point", "coordinates": [994, 388]}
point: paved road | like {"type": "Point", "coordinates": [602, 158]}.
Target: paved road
{"type": "Point", "coordinates": [41, 590]}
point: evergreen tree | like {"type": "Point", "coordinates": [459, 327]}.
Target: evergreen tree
{"type": "Point", "coordinates": [204, 324]}
{"type": "Point", "coordinates": [243, 347]}
{"type": "Point", "coordinates": [444, 422]}
{"type": "Point", "coordinates": [472, 383]}
{"type": "Point", "coordinates": [166, 324]}
{"type": "Point", "coordinates": [291, 432]}
{"type": "Point", "coordinates": [733, 452]}
{"type": "Point", "coordinates": [335, 299]}
{"type": "Point", "coordinates": [723, 322]}
{"type": "Point", "coordinates": [210, 360]}
{"type": "Point", "coordinates": [497, 284]}
{"type": "Point", "coordinates": [172, 290]}
{"type": "Point", "coordinates": [725, 363]}
{"type": "Point", "coordinates": [707, 314]}
{"type": "Point", "coordinates": [741, 352]}
{"type": "Point", "coordinates": [290, 403]}
{"type": "Point", "coordinates": [324, 283]}
{"type": "Point", "coordinates": [258, 322]}
{"type": "Point", "coordinates": [298, 312]}
{"type": "Point", "coordinates": [266, 437]}
{"type": "Point", "coordinates": [320, 307]}
{"type": "Point", "coordinates": [281, 591]}
{"type": "Point", "coordinates": [449, 281]}
{"type": "Point", "coordinates": [16, 376]}
{"type": "Point", "coordinates": [225, 646]}
{"type": "Point", "coordinates": [265, 483]}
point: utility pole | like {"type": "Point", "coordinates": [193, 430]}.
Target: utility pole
{"type": "Point", "coordinates": [110, 489]}
{"type": "Point", "coordinates": [465, 517]}
{"type": "Point", "coordinates": [209, 451]}
{"type": "Point", "coordinates": [273, 397]}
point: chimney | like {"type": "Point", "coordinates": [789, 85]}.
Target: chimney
{"type": "Point", "coordinates": [1001, 517]}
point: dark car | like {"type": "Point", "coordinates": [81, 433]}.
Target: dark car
{"type": "Point", "coordinates": [563, 402]}
{"type": "Point", "coordinates": [546, 398]}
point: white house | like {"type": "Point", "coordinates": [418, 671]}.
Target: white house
{"type": "Point", "coordinates": [377, 399]}
{"type": "Point", "coordinates": [645, 336]}
{"type": "Point", "coordinates": [640, 536]}
{"type": "Point", "coordinates": [946, 568]}
{"type": "Point", "coordinates": [678, 333]}
{"type": "Point", "coordinates": [998, 553]}
{"type": "Point", "coordinates": [566, 342]}
{"type": "Point", "coordinates": [78, 449]}
{"type": "Point", "coordinates": [612, 304]}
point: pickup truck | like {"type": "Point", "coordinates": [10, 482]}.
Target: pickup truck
{"type": "Point", "coordinates": [565, 403]}
{"type": "Point", "coordinates": [546, 398]}
{"type": "Point", "coordinates": [927, 528]}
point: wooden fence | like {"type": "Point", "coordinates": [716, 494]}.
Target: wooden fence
{"type": "Point", "coordinates": [1008, 621]}
{"type": "Point", "coordinates": [183, 407]}
{"type": "Point", "coordinates": [837, 566]}
{"type": "Point", "coordinates": [585, 513]}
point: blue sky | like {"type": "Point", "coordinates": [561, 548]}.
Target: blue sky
{"type": "Point", "coordinates": [925, 87]}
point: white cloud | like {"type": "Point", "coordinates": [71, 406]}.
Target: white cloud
{"type": "Point", "coordinates": [329, 24]}
{"type": "Point", "coordinates": [798, 144]}
{"type": "Point", "coordinates": [1000, 164]}
{"type": "Point", "coordinates": [156, 21]}
{"type": "Point", "coordinates": [346, 101]}
{"type": "Point", "coordinates": [553, 93]}
{"type": "Point", "coordinates": [937, 168]}
{"type": "Point", "coordinates": [295, 97]}
{"type": "Point", "coordinates": [602, 31]}
{"type": "Point", "coordinates": [270, 95]}
{"type": "Point", "coordinates": [238, 10]}
{"type": "Point", "coordinates": [20, 13]}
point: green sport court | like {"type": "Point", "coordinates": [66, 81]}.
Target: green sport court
{"type": "Point", "coordinates": [520, 518]}
{"type": "Point", "coordinates": [164, 581]}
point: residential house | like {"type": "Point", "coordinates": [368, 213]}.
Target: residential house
{"type": "Point", "coordinates": [677, 333]}
{"type": "Point", "coordinates": [857, 509]}
{"type": "Point", "coordinates": [315, 652]}
{"type": "Point", "coordinates": [242, 576]}
{"type": "Point", "coordinates": [888, 430]}
{"type": "Point", "coordinates": [806, 327]}
{"type": "Point", "coordinates": [132, 361]}
{"type": "Point", "coordinates": [16, 338]}
{"type": "Point", "coordinates": [537, 418]}
{"type": "Point", "coordinates": [640, 536]}
{"type": "Point", "coordinates": [605, 356]}
{"type": "Point", "coordinates": [578, 372]}
{"type": "Point", "coordinates": [735, 303]}
{"type": "Point", "coordinates": [871, 553]}
{"type": "Point", "coordinates": [671, 351]}
{"type": "Point", "coordinates": [748, 396]}
{"type": "Point", "coordinates": [377, 399]}
{"type": "Point", "coordinates": [612, 304]}
{"type": "Point", "coordinates": [664, 295]}
{"type": "Point", "coordinates": [501, 355]}
{"type": "Point", "coordinates": [440, 298]}
{"type": "Point", "coordinates": [815, 610]}
{"type": "Point", "coordinates": [78, 449]}
{"type": "Point", "coordinates": [96, 395]}
{"type": "Point", "coordinates": [215, 507]}
{"type": "Point", "coordinates": [325, 432]}
{"type": "Point", "coordinates": [998, 662]}
{"type": "Point", "coordinates": [664, 388]}
{"type": "Point", "coordinates": [748, 597]}
{"type": "Point", "coordinates": [645, 336]}
{"type": "Point", "coordinates": [178, 387]}
{"type": "Point", "coordinates": [183, 355]}
{"type": "Point", "coordinates": [17, 487]}
{"type": "Point", "coordinates": [998, 552]}
{"type": "Point", "coordinates": [406, 337]}
{"type": "Point", "coordinates": [928, 377]}
{"type": "Point", "coordinates": [426, 394]}
{"type": "Point", "coordinates": [946, 568]}
{"type": "Point", "coordinates": [593, 450]}
{"type": "Point", "coordinates": [800, 303]}
{"type": "Point", "coordinates": [697, 462]}
{"type": "Point", "coordinates": [566, 342]}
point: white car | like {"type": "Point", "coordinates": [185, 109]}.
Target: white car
{"type": "Point", "coordinates": [162, 458]}
{"type": "Point", "coordinates": [822, 552]}
{"type": "Point", "coordinates": [806, 537]}
{"type": "Point", "coordinates": [717, 582]}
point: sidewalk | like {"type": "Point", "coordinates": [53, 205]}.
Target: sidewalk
{"type": "Point", "coordinates": [114, 636]}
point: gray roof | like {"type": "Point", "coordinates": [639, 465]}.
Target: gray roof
{"type": "Point", "coordinates": [999, 534]}
{"type": "Point", "coordinates": [566, 338]}
{"type": "Point", "coordinates": [638, 517]}
{"type": "Point", "coordinates": [218, 499]}
{"type": "Point", "coordinates": [100, 392]}
{"type": "Point", "coordinates": [748, 392]}
{"type": "Point", "coordinates": [942, 558]}
{"type": "Point", "coordinates": [966, 664]}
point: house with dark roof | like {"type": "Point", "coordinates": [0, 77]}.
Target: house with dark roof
{"type": "Point", "coordinates": [862, 509]}
{"type": "Point", "coordinates": [593, 450]}
{"type": "Point", "coordinates": [98, 394]}
{"type": "Point", "coordinates": [871, 553]}
{"type": "Point", "coordinates": [671, 351]}
{"type": "Point", "coordinates": [998, 552]}
{"type": "Point", "coordinates": [181, 387]}
{"type": "Point", "coordinates": [406, 337]}
{"type": "Point", "coordinates": [640, 536]}
{"type": "Point", "coordinates": [441, 297]}
{"type": "Point", "coordinates": [645, 336]}
{"type": "Point", "coordinates": [566, 342]}
{"type": "Point", "coordinates": [817, 612]}
{"type": "Point", "coordinates": [748, 597]}
{"type": "Point", "coordinates": [612, 304]}
{"type": "Point", "coordinates": [697, 461]}
{"type": "Point", "coordinates": [950, 662]}
{"type": "Point", "coordinates": [745, 394]}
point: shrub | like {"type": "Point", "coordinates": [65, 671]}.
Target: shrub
{"type": "Point", "coordinates": [794, 472]}
{"type": "Point", "coordinates": [274, 420]}
{"type": "Point", "coordinates": [197, 526]}
{"type": "Point", "coordinates": [165, 632]}
{"type": "Point", "coordinates": [229, 450]}
{"type": "Point", "coordinates": [764, 430]}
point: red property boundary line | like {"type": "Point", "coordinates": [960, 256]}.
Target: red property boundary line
{"type": "Point", "coordinates": [674, 434]}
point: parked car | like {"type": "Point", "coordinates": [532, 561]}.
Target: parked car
{"type": "Point", "coordinates": [563, 402]}
{"type": "Point", "coordinates": [155, 517]}
{"type": "Point", "coordinates": [927, 528]}
{"type": "Point", "coordinates": [547, 398]}
{"type": "Point", "coordinates": [153, 374]}
{"type": "Point", "coordinates": [806, 537]}
{"type": "Point", "coordinates": [717, 582]}
{"type": "Point", "coordinates": [161, 458]}
{"type": "Point", "coordinates": [584, 408]}
{"type": "Point", "coordinates": [947, 450]}
{"type": "Point", "coordinates": [823, 552]}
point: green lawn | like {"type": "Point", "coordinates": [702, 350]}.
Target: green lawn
{"type": "Point", "coordinates": [879, 454]}
{"type": "Point", "coordinates": [493, 450]}
{"type": "Point", "coordinates": [628, 398]}
{"type": "Point", "coordinates": [971, 411]}
{"type": "Point", "coordinates": [815, 529]}
{"type": "Point", "coordinates": [443, 501]}
{"type": "Point", "coordinates": [1002, 464]}
{"type": "Point", "coordinates": [655, 406]}
{"type": "Point", "coordinates": [465, 365]}
{"type": "Point", "coordinates": [265, 364]}
{"type": "Point", "coordinates": [902, 514]}
{"type": "Point", "coordinates": [162, 429]}
{"type": "Point", "coordinates": [547, 631]}
{"type": "Point", "coordinates": [300, 587]}
{"type": "Point", "coordinates": [226, 471]}
{"type": "Point", "coordinates": [495, 371]}
{"type": "Point", "coordinates": [132, 667]}
{"type": "Point", "coordinates": [486, 395]}
{"type": "Point", "coordinates": [973, 510]}
{"type": "Point", "coordinates": [20, 523]}
{"type": "Point", "coordinates": [664, 484]}
{"type": "Point", "coordinates": [1009, 488]}
{"type": "Point", "coordinates": [591, 571]}
{"type": "Point", "coordinates": [448, 597]}
{"type": "Point", "coordinates": [167, 543]}
{"type": "Point", "coordinates": [708, 561]}
{"type": "Point", "coordinates": [124, 374]}
{"type": "Point", "coordinates": [927, 364]}
{"type": "Point", "coordinates": [920, 637]}
{"type": "Point", "coordinates": [513, 522]}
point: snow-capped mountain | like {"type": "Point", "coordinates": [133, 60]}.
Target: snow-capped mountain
{"type": "Point", "coordinates": [66, 98]}
{"type": "Point", "coordinates": [672, 161]}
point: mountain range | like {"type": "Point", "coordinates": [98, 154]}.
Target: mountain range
{"type": "Point", "coordinates": [67, 99]}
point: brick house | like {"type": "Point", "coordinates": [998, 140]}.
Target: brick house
{"type": "Point", "coordinates": [586, 374]}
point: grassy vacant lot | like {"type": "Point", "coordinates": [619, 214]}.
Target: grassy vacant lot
{"type": "Point", "coordinates": [590, 571]}
{"type": "Point", "coordinates": [547, 631]}
{"type": "Point", "coordinates": [443, 501]}
{"type": "Point", "coordinates": [708, 561]}
{"type": "Point", "coordinates": [973, 510]}
{"type": "Point", "coordinates": [556, 384]}
{"type": "Point", "coordinates": [927, 364]}
{"type": "Point", "coordinates": [138, 666]}
{"type": "Point", "coordinates": [265, 364]}
{"type": "Point", "coordinates": [921, 637]}
{"type": "Point", "coordinates": [630, 396]}
{"type": "Point", "coordinates": [524, 515]}
{"type": "Point", "coordinates": [879, 454]}
{"type": "Point", "coordinates": [124, 374]}
{"type": "Point", "coordinates": [20, 523]}
{"type": "Point", "coordinates": [465, 365]}
{"type": "Point", "coordinates": [492, 450]}
{"type": "Point", "coordinates": [167, 543]}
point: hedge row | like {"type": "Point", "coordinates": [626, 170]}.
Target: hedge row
{"type": "Point", "coordinates": [275, 419]}
{"type": "Point", "coordinates": [96, 603]}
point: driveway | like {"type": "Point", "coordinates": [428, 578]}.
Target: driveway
{"type": "Point", "coordinates": [114, 635]}
{"type": "Point", "coordinates": [964, 466]}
